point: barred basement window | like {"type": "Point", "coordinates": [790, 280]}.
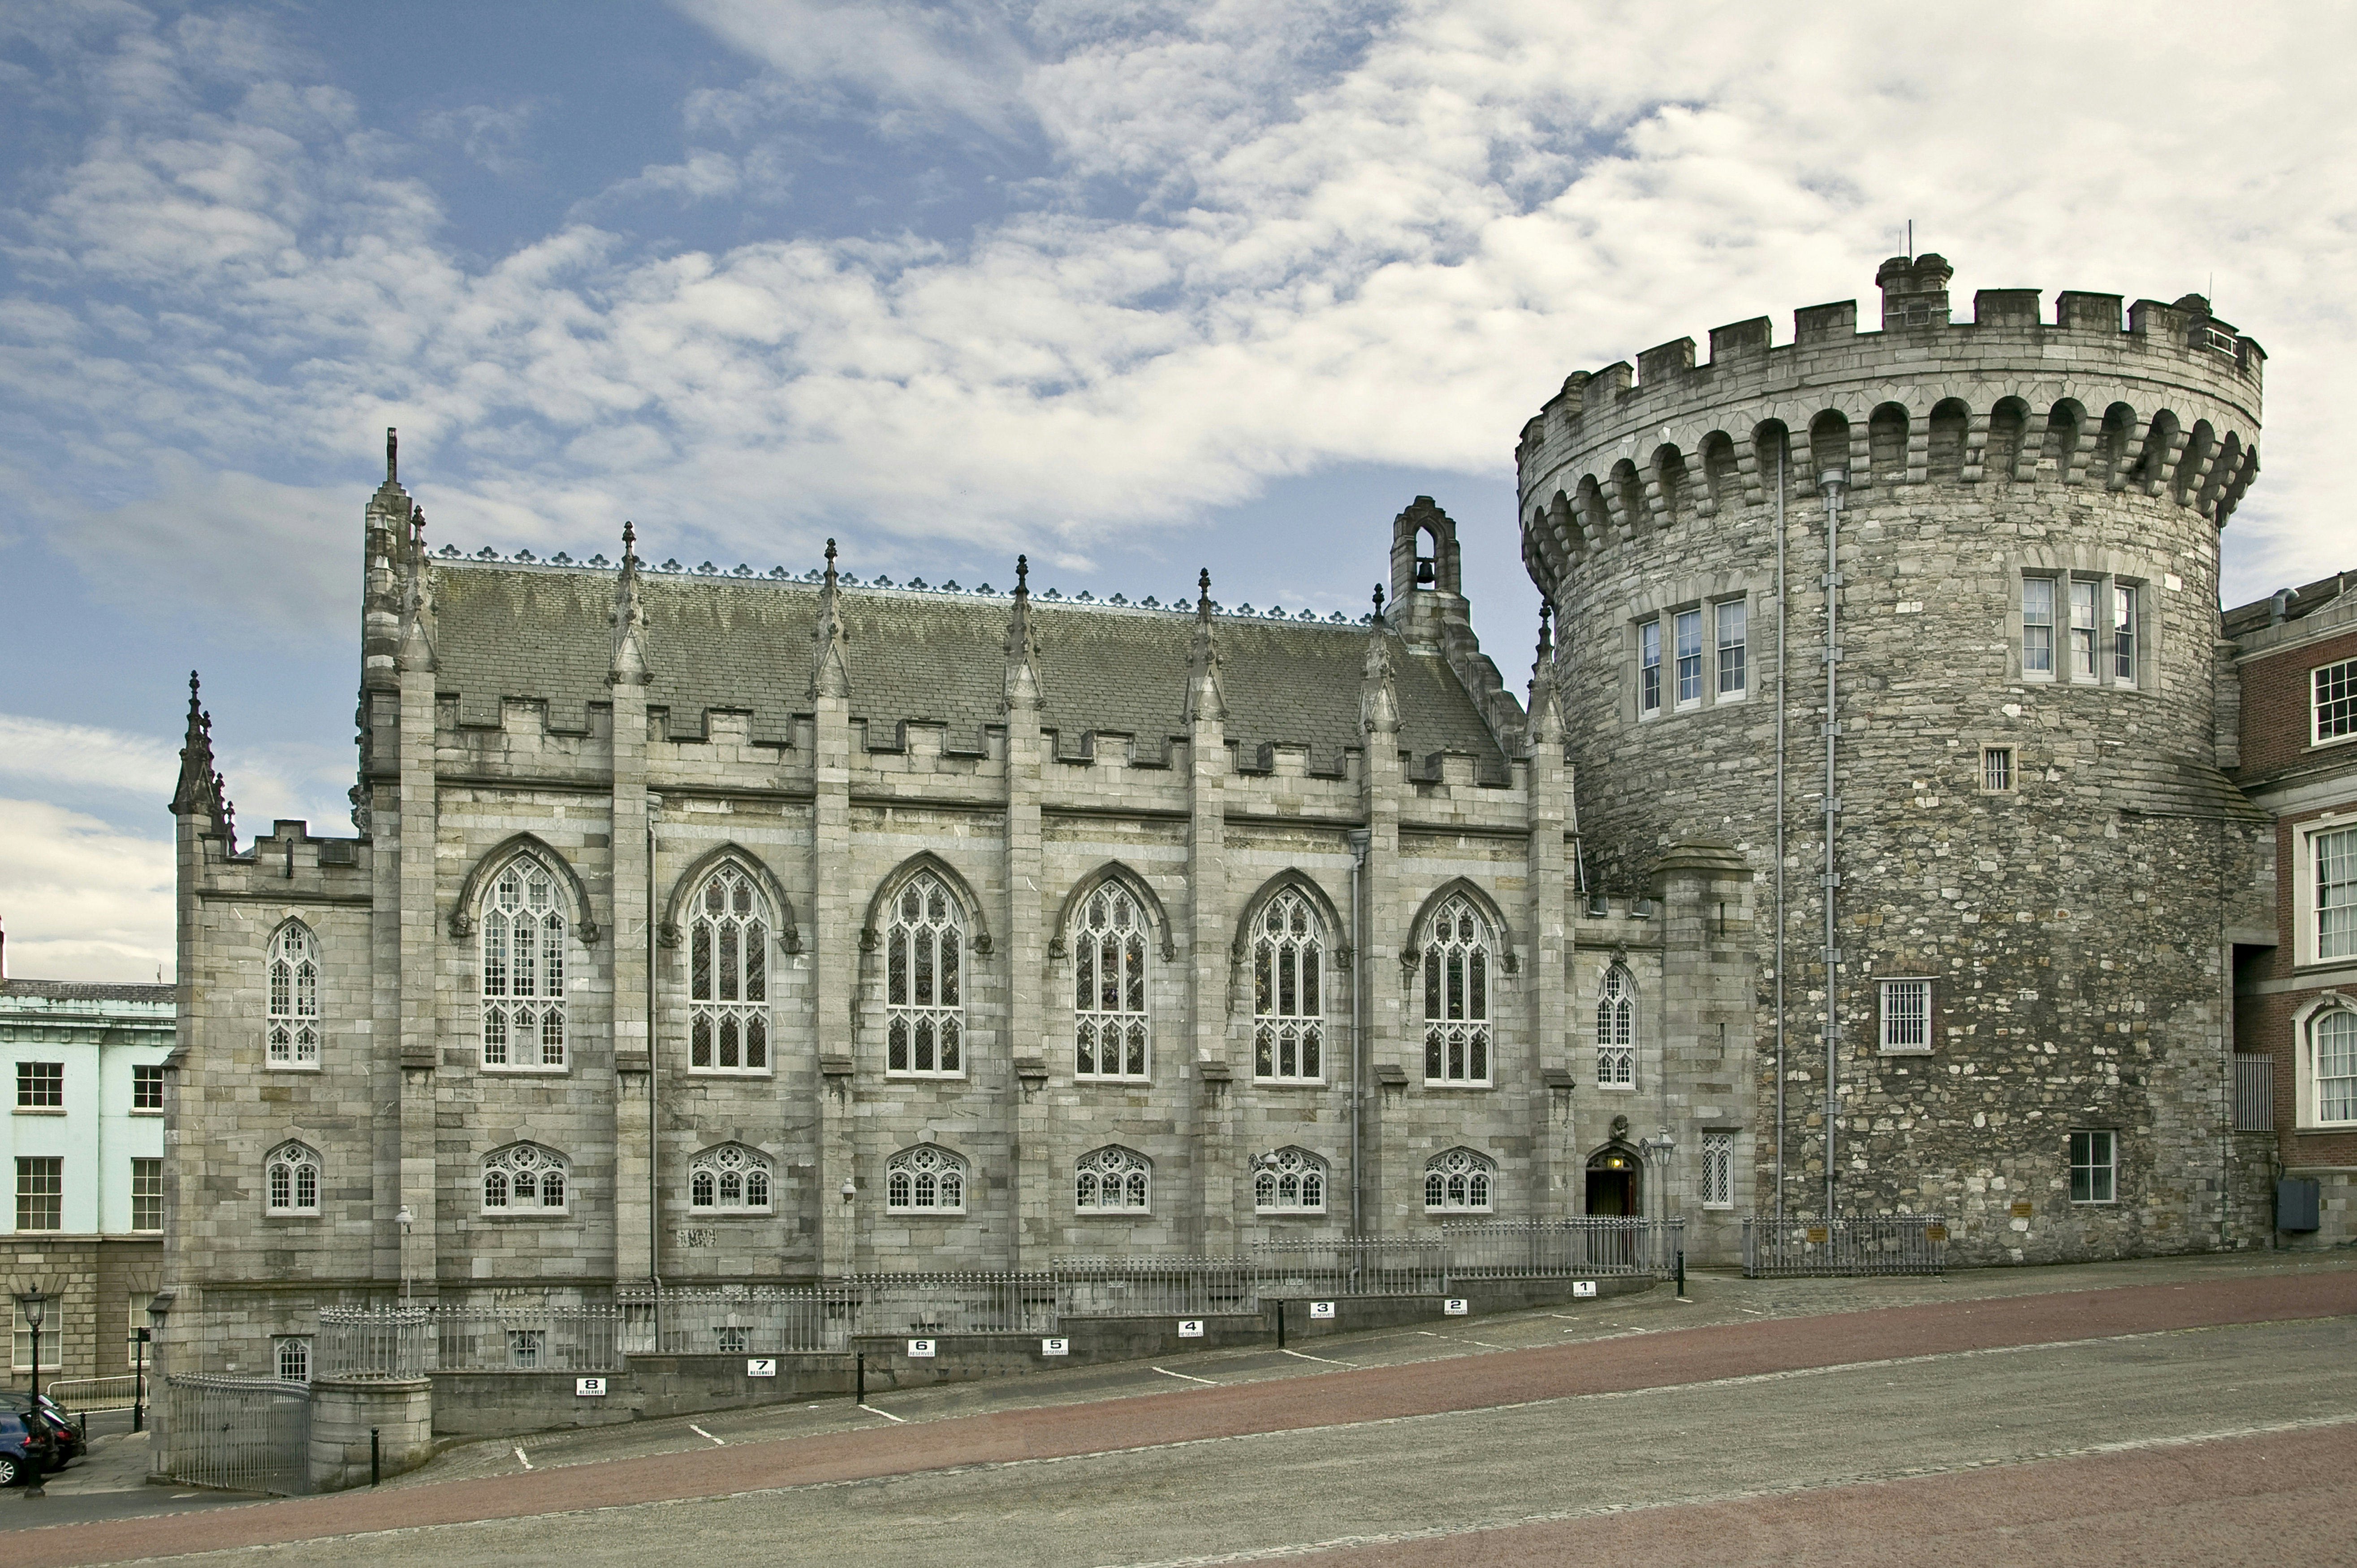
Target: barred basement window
{"type": "Point", "coordinates": [728, 976]}
{"type": "Point", "coordinates": [927, 1179]}
{"type": "Point", "coordinates": [1459, 1182]}
{"type": "Point", "coordinates": [1616, 1031]}
{"type": "Point", "coordinates": [1996, 770]}
{"type": "Point", "coordinates": [1906, 1016]}
{"type": "Point", "coordinates": [2094, 1167]}
{"type": "Point", "coordinates": [1457, 995]}
{"type": "Point", "coordinates": [1719, 1170]}
{"type": "Point", "coordinates": [524, 969]}
{"type": "Point", "coordinates": [40, 1193]}
{"type": "Point", "coordinates": [41, 1086]}
{"type": "Point", "coordinates": [2037, 626]}
{"type": "Point", "coordinates": [1114, 1181]}
{"type": "Point", "coordinates": [1288, 991]}
{"type": "Point", "coordinates": [292, 1026]}
{"type": "Point", "coordinates": [1109, 1026]}
{"type": "Point", "coordinates": [1295, 1183]}
{"type": "Point", "coordinates": [2332, 712]}
{"type": "Point", "coordinates": [291, 1173]}
{"type": "Point", "coordinates": [293, 1353]}
{"type": "Point", "coordinates": [924, 1021]}
{"type": "Point", "coordinates": [146, 1194]}
{"type": "Point", "coordinates": [732, 1341]}
{"type": "Point", "coordinates": [525, 1178]}
{"type": "Point", "coordinates": [730, 1179]}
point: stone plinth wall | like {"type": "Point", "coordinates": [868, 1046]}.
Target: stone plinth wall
{"type": "Point", "coordinates": [343, 1414]}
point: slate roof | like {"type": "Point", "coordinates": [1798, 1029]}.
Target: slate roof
{"type": "Point", "coordinates": [85, 991]}
{"type": "Point", "coordinates": [2304, 600]}
{"type": "Point", "coordinates": [540, 632]}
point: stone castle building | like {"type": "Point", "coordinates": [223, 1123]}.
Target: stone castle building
{"type": "Point", "coordinates": [703, 925]}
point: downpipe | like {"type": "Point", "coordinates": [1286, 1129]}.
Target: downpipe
{"type": "Point", "coordinates": [1831, 483]}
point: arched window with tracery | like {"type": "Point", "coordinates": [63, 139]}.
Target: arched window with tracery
{"type": "Point", "coordinates": [1292, 1181]}
{"type": "Point", "coordinates": [291, 1174]}
{"type": "Point", "coordinates": [924, 944]}
{"type": "Point", "coordinates": [1615, 1030]}
{"type": "Point", "coordinates": [1456, 994]}
{"type": "Point", "coordinates": [728, 976]}
{"type": "Point", "coordinates": [730, 1179]}
{"type": "Point", "coordinates": [1460, 1182]}
{"type": "Point", "coordinates": [524, 969]}
{"type": "Point", "coordinates": [1114, 1180]}
{"type": "Point", "coordinates": [525, 1178]}
{"type": "Point", "coordinates": [927, 1179]}
{"type": "Point", "coordinates": [1110, 1027]}
{"type": "Point", "coordinates": [293, 1002]}
{"type": "Point", "coordinates": [1288, 992]}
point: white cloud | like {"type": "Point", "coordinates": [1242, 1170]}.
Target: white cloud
{"type": "Point", "coordinates": [83, 757]}
{"type": "Point", "coordinates": [82, 900]}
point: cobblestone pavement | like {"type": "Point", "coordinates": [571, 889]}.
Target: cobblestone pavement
{"type": "Point", "coordinates": [1511, 1427]}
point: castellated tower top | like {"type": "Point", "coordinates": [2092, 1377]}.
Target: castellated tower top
{"type": "Point", "coordinates": [2166, 406]}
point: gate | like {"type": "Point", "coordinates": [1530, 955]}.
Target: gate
{"type": "Point", "coordinates": [241, 1435]}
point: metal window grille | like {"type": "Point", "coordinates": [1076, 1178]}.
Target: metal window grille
{"type": "Point", "coordinates": [728, 976]}
{"type": "Point", "coordinates": [2333, 709]}
{"type": "Point", "coordinates": [146, 1194]}
{"type": "Point", "coordinates": [292, 1026]}
{"type": "Point", "coordinates": [2037, 625]}
{"type": "Point", "coordinates": [2336, 893]}
{"type": "Point", "coordinates": [1293, 1182]}
{"type": "Point", "coordinates": [41, 1085]}
{"type": "Point", "coordinates": [1457, 995]}
{"type": "Point", "coordinates": [1689, 634]}
{"type": "Point", "coordinates": [1734, 622]}
{"type": "Point", "coordinates": [1996, 768]}
{"type": "Point", "coordinates": [40, 1192]}
{"type": "Point", "coordinates": [1906, 1015]}
{"type": "Point", "coordinates": [293, 1355]}
{"type": "Point", "coordinates": [524, 969]}
{"type": "Point", "coordinates": [924, 1024]}
{"type": "Point", "coordinates": [927, 1179]}
{"type": "Point", "coordinates": [146, 1089]}
{"type": "Point", "coordinates": [1109, 1026]}
{"type": "Point", "coordinates": [1648, 668]}
{"type": "Point", "coordinates": [1616, 1031]}
{"type": "Point", "coordinates": [2094, 1168]}
{"type": "Point", "coordinates": [1719, 1170]}
{"type": "Point", "coordinates": [1288, 991]}
{"type": "Point", "coordinates": [2255, 1086]}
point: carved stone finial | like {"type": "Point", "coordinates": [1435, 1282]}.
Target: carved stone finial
{"type": "Point", "coordinates": [630, 540]}
{"type": "Point", "coordinates": [1379, 601]}
{"type": "Point", "coordinates": [1022, 574]}
{"type": "Point", "coordinates": [1203, 592]}
{"type": "Point", "coordinates": [830, 677]}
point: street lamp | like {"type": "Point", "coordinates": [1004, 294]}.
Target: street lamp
{"type": "Point", "coordinates": [34, 1305]}
{"type": "Point", "coordinates": [850, 1191]}
{"type": "Point", "coordinates": [405, 1220]}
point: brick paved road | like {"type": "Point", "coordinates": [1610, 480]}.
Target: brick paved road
{"type": "Point", "coordinates": [1734, 1412]}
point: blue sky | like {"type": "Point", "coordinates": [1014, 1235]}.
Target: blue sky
{"type": "Point", "coordinates": [1133, 288]}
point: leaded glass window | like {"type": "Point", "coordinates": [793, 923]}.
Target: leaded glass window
{"type": "Point", "coordinates": [292, 1021]}
{"type": "Point", "coordinates": [525, 1178]}
{"type": "Point", "coordinates": [1293, 1182]}
{"type": "Point", "coordinates": [728, 976]}
{"type": "Point", "coordinates": [524, 969]}
{"type": "Point", "coordinates": [924, 1020]}
{"type": "Point", "coordinates": [1719, 1170]}
{"type": "Point", "coordinates": [730, 1179]}
{"type": "Point", "coordinates": [927, 1179]}
{"type": "Point", "coordinates": [1459, 1182]}
{"type": "Point", "coordinates": [291, 1174]}
{"type": "Point", "coordinates": [1114, 1181]}
{"type": "Point", "coordinates": [1616, 1031]}
{"type": "Point", "coordinates": [1288, 991]}
{"type": "Point", "coordinates": [1456, 994]}
{"type": "Point", "coordinates": [1110, 1027]}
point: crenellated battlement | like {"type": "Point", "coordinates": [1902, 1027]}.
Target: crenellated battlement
{"type": "Point", "coordinates": [2166, 405]}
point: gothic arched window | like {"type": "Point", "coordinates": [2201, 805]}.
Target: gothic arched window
{"type": "Point", "coordinates": [292, 1173]}
{"type": "Point", "coordinates": [1615, 1030]}
{"type": "Point", "coordinates": [730, 1179]}
{"type": "Point", "coordinates": [1109, 1024]}
{"type": "Point", "coordinates": [924, 1021]}
{"type": "Point", "coordinates": [526, 1178]}
{"type": "Point", "coordinates": [1288, 993]}
{"type": "Point", "coordinates": [524, 969]}
{"type": "Point", "coordinates": [1457, 995]}
{"type": "Point", "coordinates": [728, 976]}
{"type": "Point", "coordinates": [1114, 1180]}
{"type": "Point", "coordinates": [2332, 1066]}
{"type": "Point", "coordinates": [293, 1002]}
{"type": "Point", "coordinates": [927, 1179]}
{"type": "Point", "coordinates": [1293, 1182]}
{"type": "Point", "coordinates": [1459, 1182]}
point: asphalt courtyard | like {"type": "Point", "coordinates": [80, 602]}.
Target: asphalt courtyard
{"type": "Point", "coordinates": [2183, 1411]}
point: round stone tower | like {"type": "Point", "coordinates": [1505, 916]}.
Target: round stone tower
{"type": "Point", "coordinates": [1934, 608]}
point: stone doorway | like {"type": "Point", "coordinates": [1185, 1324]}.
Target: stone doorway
{"type": "Point", "coordinates": [1615, 1185]}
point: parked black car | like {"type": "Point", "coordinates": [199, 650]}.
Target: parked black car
{"type": "Point", "coordinates": [65, 1433]}
{"type": "Point", "coordinates": [23, 1446]}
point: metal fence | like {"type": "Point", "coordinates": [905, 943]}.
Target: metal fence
{"type": "Point", "coordinates": [244, 1434]}
{"type": "Point", "coordinates": [1349, 1266]}
{"type": "Point", "coordinates": [116, 1392]}
{"type": "Point", "coordinates": [760, 1320]}
{"type": "Point", "coordinates": [552, 1338]}
{"type": "Point", "coordinates": [2255, 1093]}
{"type": "Point", "coordinates": [1552, 1249]}
{"type": "Point", "coordinates": [1881, 1244]}
{"type": "Point", "coordinates": [931, 1304]}
{"type": "Point", "coordinates": [373, 1342]}
{"type": "Point", "coordinates": [1155, 1287]}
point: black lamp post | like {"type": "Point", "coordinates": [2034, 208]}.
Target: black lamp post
{"type": "Point", "coordinates": [34, 1305]}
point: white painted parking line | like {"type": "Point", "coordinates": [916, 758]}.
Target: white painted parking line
{"type": "Point", "coordinates": [900, 1420]}
{"type": "Point", "coordinates": [1169, 1373]}
{"type": "Point", "coordinates": [706, 1435]}
{"type": "Point", "coordinates": [522, 1460]}
{"type": "Point", "coordinates": [1304, 1356]}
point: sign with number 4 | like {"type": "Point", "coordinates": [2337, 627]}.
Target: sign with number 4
{"type": "Point", "coordinates": [921, 1349]}
{"type": "Point", "coordinates": [1190, 1328]}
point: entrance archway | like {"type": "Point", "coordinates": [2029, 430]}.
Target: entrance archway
{"type": "Point", "coordinates": [1616, 1183]}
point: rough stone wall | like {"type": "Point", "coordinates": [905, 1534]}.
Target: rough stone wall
{"type": "Point", "coordinates": [2076, 928]}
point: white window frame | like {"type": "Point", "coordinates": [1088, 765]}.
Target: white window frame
{"type": "Point", "coordinates": [1689, 652]}
{"type": "Point", "coordinates": [924, 980]}
{"type": "Point", "coordinates": [2005, 777]}
{"type": "Point", "coordinates": [526, 1023]}
{"type": "Point", "coordinates": [1719, 1170]}
{"type": "Point", "coordinates": [514, 1166]}
{"type": "Point", "coordinates": [925, 1179]}
{"type": "Point", "coordinates": [1126, 1172]}
{"type": "Point", "coordinates": [1460, 1181]}
{"type": "Point", "coordinates": [729, 975]}
{"type": "Point", "coordinates": [143, 1073]}
{"type": "Point", "coordinates": [296, 1160]}
{"type": "Point", "coordinates": [731, 1179]}
{"type": "Point", "coordinates": [1616, 1031]}
{"type": "Point", "coordinates": [2083, 631]}
{"type": "Point", "coordinates": [1289, 957]}
{"type": "Point", "coordinates": [2127, 631]}
{"type": "Point", "coordinates": [1295, 1182]}
{"type": "Point", "coordinates": [1460, 989]}
{"type": "Point", "coordinates": [1905, 1013]}
{"type": "Point", "coordinates": [291, 1033]}
{"type": "Point", "coordinates": [2310, 889]}
{"type": "Point", "coordinates": [2340, 679]}
{"type": "Point", "coordinates": [2103, 1185]}
{"type": "Point", "coordinates": [53, 1350]}
{"type": "Point", "coordinates": [290, 1358]}
{"type": "Point", "coordinates": [56, 1172]}
{"type": "Point", "coordinates": [1735, 654]}
{"type": "Point", "coordinates": [1110, 987]}
{"type": "Point", "coordinates": [1648, 668]}
{"type": "Point", "coordinates": [2334, 1012]}
{"type": "Point", "coordinates": [139, 1177]}
{"type": "Point", "coordinates": [2039, 646]}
